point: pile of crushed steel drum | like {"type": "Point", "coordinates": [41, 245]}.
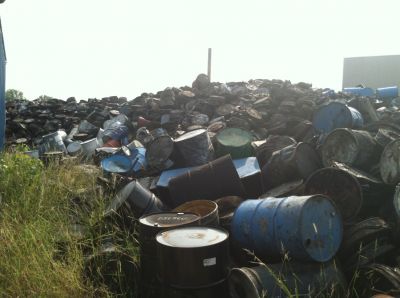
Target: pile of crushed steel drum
{"type": "Point", "coordinates": [251, 189]}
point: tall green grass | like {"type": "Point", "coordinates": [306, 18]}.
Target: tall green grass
{"type": "Point", "coordinates": [39, 254]}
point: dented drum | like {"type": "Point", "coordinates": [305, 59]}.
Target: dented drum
{"type": "Point", "coordinates": [195, 147]}
{"type": "Point", "coordinates": [353, 147]}
{"type": "Point", "coordinates": [159, 146]}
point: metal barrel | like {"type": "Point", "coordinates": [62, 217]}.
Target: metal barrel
{"type": "Point", "coordinates": [149, 226]}
{"type": "Point", "coordinates": [159, 147]}
{"type": "Point", "coordinates": [336, 115]}
{"type": "Point", "coordinates": [360, 91]}
{"type": "Point", "coordinates": [310, 280]}
{"type": "Point", "coordinates": [211, 181]}
{"type": "Point", "coordinates": [54, 157]}
{"type": "Point", "coordinates": [193, 257]}
{"type": "Point", "coordinates": [272, 143]}
{"type": "Point", "coordinates": [195, 147]}
{"type": "Point", "coordinates": [234, 141]}
{"type": "Point", "coordinates": [53, 142]}
{"type": "Point", "coordinates": [376, 195]}
{"type": "Point", "coordinates": [89, 147]}
{"type": "Point", "coordinates": [117, 163]}
{"type": "Point", "coordinates": [353, 147]}
{"type": "Point", "coordinates": [133, 201]}
{"type": "Point", "coordinates": [377, 278]}
{"type": "Point", "coordinates": [363, 232]}
{"type": "Point", "coordinates": [388, 92]}
{"type": "Point", "coordinates": [75, 148]}
{"type": "Point", "coordinates": [207, 210]}
{"type": "Point", "coordinates": [293, 162]}
{"type": "Point", "coordinates": [293, 188]}
{"type": "Point", "coordinates": [390, 163]}
{"type": "Point", "coordinates": [226, 209]}
{"type": "Point", "coordinates": [306, 227]}
{"type": "Point", "coordinates": [341, 187]}
{"type": "Point", "coordinates": [384, 136]}
{"type": "Point", "coordinates": [32, 153]}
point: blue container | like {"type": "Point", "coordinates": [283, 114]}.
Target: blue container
{"type": "Point", "coordinates": [388, 92]}
{"type": "Point", "coordinates": [123, 164]}
{"type": "Point", "coordinates": [309, 228]}
{"type": "Point", "coordinates": [120, 164]}
{"type": "Point", "coordinates": [336, 115]}
{"type": "Point", "coordinates": [359, 91]}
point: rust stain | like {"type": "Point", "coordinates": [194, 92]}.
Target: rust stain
{"type": "Point", "coordinates": [197, 235]}
{"type": "Point", "coordinates": [263, 224]}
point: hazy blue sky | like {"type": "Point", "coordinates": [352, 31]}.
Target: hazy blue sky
{"type": "Point", "coordinates": [96, 48]}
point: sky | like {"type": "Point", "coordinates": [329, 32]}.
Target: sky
{"type": "Point", "coordinates": [98, 48]}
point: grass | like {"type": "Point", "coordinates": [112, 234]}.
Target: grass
{"type": "Point", "coordinates": [40, 255]}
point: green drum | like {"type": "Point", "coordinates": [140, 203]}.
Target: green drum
{"type": "Point", "coordinates": [234, 141]}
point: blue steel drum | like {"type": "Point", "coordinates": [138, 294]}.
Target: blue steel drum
{"type": "Point", "coordinates": [123, 164]}
{"type": "Point", "coordinates": [388, 92]}
{"type": "Point", "coordinates": [336, 115]}
{"type": "Point", "coordinates": [359, 91]}
{"type": "Point", "coordinates": [307, 227]}
{"type": "Point", "coordinates": [120, 164]}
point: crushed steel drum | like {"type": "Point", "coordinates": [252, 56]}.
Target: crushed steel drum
{"type": "Point", "coordinates": [250, 175]}
{"type": "Point", "coordinates": [207, 210]}
{"type": "Point", "coordinates": [363, 232]}
{"type": "Point", "coordinates": [336, 115]}
{"type": "Point", "coordinates": [307, 227]}
{"type": "Point", "coordinates": [159, 147]}
{"type": "Point", "coordinates": [378, 251]}
{"type": "Point", "coordinates": [193, 257]}
{"type": "Point", "coordinates": [378, 278]}
{"type": "Point", "coordinates": [234, 141]}
{"type": "Point", "coordinates": [53, 142]}
{"type": "Point", "coordinates": [89, 147]}
{"type": "Point", "coordinates": [294, 188]}
{"type": "Point", "coordinates": [134, 201]}
{"type": "Point", "coordinates": [195, 147]}
{"type": "Point", "coordinates": [353, 147]}
{"type": "Point", "coordinates": [376, 194]}
{"type": "Point", "coordinates": [74, 148]}
{"type": "Point", "coordinates": [290, 163]}
{"type": "Point", "coordinates": [341, 187]}
{"type": "Point", "coordinates": [117, 163]}
{"type": "Point", "coordinates": [272, 143]}
{"type": "Point", "coordinates": [384, 136]}
{"type": "Point", "coordinates": [390, 163]}
{"type": "Point", "coordinates": [149, 226]}
{"type": "Point", "coordinates": [209, 182]}
{"type": "Point", "coordinates": [310, 280]}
